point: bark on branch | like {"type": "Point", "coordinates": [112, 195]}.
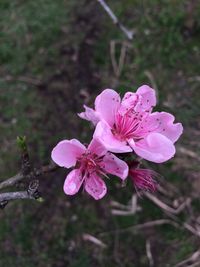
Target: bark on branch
{"type": "Point", "coordinates": [15, 195]}
{"type": "Point", "coordinates": [129, 33]}
{"type": "Point", "coordinates": [27, 175]}
{"type": "Point", "coordinates": [33, 174]}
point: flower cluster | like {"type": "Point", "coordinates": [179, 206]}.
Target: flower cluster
{"type": "Point", "coordinates": [127, 127]}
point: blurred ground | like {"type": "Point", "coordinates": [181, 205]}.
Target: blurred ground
{"type": "Point", "coordinates": [57, 55]}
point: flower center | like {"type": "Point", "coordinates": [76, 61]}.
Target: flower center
{"type": "Point", "coordinates": [127, 126]}
{"type": "Point", "coordinates": [89, 163]}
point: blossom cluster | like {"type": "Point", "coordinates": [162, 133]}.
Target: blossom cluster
{"type": "Point", "coordinates": [126, 131]}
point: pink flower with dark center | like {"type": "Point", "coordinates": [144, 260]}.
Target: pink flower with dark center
{"type": "Point", "coordinates": [130, 125]}
{"type": "Point", "coordinates": [90, 165]}
{"type": "Point", "coordinates": [143, 179]}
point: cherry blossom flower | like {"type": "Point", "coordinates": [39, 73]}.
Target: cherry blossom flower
{"type": "Point", "coordinates": [90, 164]}
{"type": "Point", "coordinates": [89, 115]}
{"type": "Point", "coordinates": [130, 125]}
{"type": "Point", "coordinates": [143, 179]}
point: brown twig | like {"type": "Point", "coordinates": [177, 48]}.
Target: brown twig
{"type": "Point", "coordinates": [191, 260]}
{"type": "Point", "coordinates": [129, 34]}
{"type": "Point", "coordinates": [29, 80]}
{"type": "Point", "coordinates": [11, 181]}
{"type": "Point", "coordinates": [35, 173]}
{"type": "Point", "coordinates": [153, 82]}
{"type": "Point", "coordinates": [142, 226]}
{"type": "Point", "coordinates": [195, 264]}
{"type": "Point", "coordinates": [165, 206]}
{"type": "Point", "coordinates": [149, 253]}
{"type": "Point", "coordinates": [94, 240]}
{"type": "Point", "coordinates": [20, 177]}
{"type": "Point", "coordinates": [33, 81]}
{"type": "Point", "coordinates": [118, 67]}
{"type": "Point", "coordinates": [15, 195]}
{"type": "Point", "coordinates": [125, 210]}
{"type": "Point", "coordinates": [170, 212]}
{"type": "Point", "coordinates": [27, 174]}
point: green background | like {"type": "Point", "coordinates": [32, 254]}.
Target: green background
{"type": "Point", "coordinates": [55, 56]}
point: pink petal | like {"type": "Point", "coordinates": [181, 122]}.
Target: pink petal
{"type": "Point", "coordinates": [104, 134]}
{"type": "Point", "coordinates": [115, 166]}
{"type": "Point", "coordinates": [129, 101]}
{"type": "Point", "coordinates": [73, 182]}
{"type": "Point", "coordinates": [147, 98]}
{"type": "Point", "coordinates": [89, 115]}
{"type": "Point", "coordinates": [107, 104]}
{"type": "Point", "coordinates": [95, 186]}
{"type": "Point", "coordinates": [163, 122]}
{"type": "Point", "coordinates": [66, 152]}
{"type": "Point", "coordinates": [144, 179]}
{"type": "Point", "coordinates": [97, 147]}
{"type": "Point", "coordinates": [155, 147]}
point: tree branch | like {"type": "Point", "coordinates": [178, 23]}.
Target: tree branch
{"type": "Point", "coordinates": [15, 195]}
{"type": "Point", "coordinates": [27, 174]}
{"type": "Point", "coordinates": [129, 34]}
{"type": "Point", "coordinates": [35, 173]}
{"type": "Point", "coordinates": [11, 181]}
{"type": "Point", "coordinates": [172, 213]}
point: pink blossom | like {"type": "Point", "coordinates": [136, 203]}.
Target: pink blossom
{"type": "Point", "coordinates": [89, 115]}
{"type": "Point", "coordinates": [130, 125]}
{"type": "Point", "coordinates": [90, 164]}
{"type": "Point", "coordinates": [143, 179]}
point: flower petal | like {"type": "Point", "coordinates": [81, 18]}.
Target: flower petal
{"type": "Point", "coordinates": [95, 186]}
{"type": "Point", "coordinates": [66, 152]}
{"type": "Point", "coordinates": [129, 101]}
{"type": "Point", "coordinates": [104, 134]}
{"type": "Point", "coordinates": [144, 179]}
{"type": "Point", "coordinates": [115, 166]}
{"type": "Point", "coordinates": [163, 122]}
{"type": "Point", "coordinates": [97, 147]}
{"type": "Point", "coordinates": [147, 99]}
{"type": "Point", "coordinates": [155, 147]}
{"type": "Point", "coordinates": [107, 104]}
{"type": "Point", "coordinates": [90, 115]}
{"type": "Point", "coordinates": [73, 182]}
